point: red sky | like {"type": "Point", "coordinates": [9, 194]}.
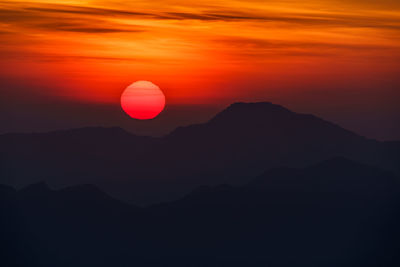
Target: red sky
{"type": "Point", "coordinates": [329, 57]}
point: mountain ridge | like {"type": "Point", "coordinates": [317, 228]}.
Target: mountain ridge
{"type": "Point", "coordinates": [242, 141]}
{"type": "Point", "coordinates": [221, 225]}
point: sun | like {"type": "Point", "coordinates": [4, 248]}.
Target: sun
{"type": "Point", "coordinates": [143, 100]}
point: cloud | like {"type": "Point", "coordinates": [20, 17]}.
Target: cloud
{"type": "Point", "coordinates": [65, 19]}
{"type": "Point", "coordinates": [26, 14]}
{"type": "Point", "coordinates": [300, 19]}
{"type": "Point", "coordinates": [244, 42]}
{"type": "Point", "coordinates": [259, 48]}
{"type": "Point", "coordinates": [87, 28]}
{"type": "Point", "coordinates": [86, 11]}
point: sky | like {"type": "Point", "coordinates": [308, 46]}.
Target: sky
{"type": "Point", "coordinates": [65, 63]}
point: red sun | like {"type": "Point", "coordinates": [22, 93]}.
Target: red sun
{"type": "Point", "coordinates": [143, 100]}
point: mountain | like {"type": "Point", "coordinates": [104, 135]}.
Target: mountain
{"type": "Point", "coordinates": [251, 136]}
{"type": "Point", "coordinates": [46, 227]}
{"type": "Point", "coordinates": [240, 142]}
{"type": "Point", "coordinates": [336, 175]}
{"type": "Point", "coordinates": [334, 213]}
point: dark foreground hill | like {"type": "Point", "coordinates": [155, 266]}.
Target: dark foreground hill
{"type": "Point", "coordinates": [242, 141]}
{"type": "Point", "coordinates": [336, 213]}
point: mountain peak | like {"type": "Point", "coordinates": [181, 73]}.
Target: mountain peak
{"type": "Point", "coordinates": [265, 122]}
{"type": "Point", "coordinates": [247, 105]}
{"type": "Point", "coordinates": [242, 111]}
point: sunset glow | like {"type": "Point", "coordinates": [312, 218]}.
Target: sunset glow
{"type": "Point", "coordinates": [217, 50]}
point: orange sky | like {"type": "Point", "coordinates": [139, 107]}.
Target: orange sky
{"type": "Point", "coordinates": [198, 51]}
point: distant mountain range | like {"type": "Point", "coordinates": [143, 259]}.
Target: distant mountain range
{"type": "Point", "coordinates": [241, 142]}
{"type": "Point", "coordinates": [334, 213]}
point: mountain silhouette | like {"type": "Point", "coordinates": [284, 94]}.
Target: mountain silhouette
{"type": "Point", "coordinates": [334, 213]}
{"type": "Point", "coordinates": [240, 142]}
{"type": "Point", "coordinates": [337, 175]}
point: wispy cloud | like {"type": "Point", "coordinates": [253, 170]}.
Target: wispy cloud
{"type": "Point", "coordinates": [86, 27]}
{"type": "Point", "coordinates": [28, 14]}
{"type": "Point", "coordinates": [85, 10]}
